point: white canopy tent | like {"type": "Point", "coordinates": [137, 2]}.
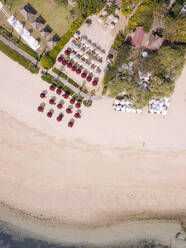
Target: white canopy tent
{"type": "Point", "coordinates": [25, 34]}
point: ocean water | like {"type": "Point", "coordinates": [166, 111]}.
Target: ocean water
{"type": "Point", "coordinates": [15, 239]}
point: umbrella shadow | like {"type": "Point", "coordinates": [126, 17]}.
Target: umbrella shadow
{"type": "Point", "coordinates": [79, 111]}
{"type": "Point", "coordinates": [51, 110]}
{"type": "Point", "coordinates": [62, 102]}
{"type": "Point", "coordinates": [70, 107]}
{"type": "Point", "coordinates": [43, 105]}
{"type": "Point", "coordinates": [45, 92]}
{"type": "Point", "coordinates": [72, 120]}
{"type": "Point", "coordinates": [61, 114]}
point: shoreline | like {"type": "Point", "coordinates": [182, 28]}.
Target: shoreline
{"type": "Point", "coordinates": [161, 230]}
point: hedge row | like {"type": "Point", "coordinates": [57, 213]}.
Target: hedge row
{"type": "Point", "coordinates": [7, 35]}
{"type": "Point", "coordinates": [66, 37]}
{"type": "Point", "coordinates": [61, 74]}
{"type": "Point", "coordinates": [18, 58]}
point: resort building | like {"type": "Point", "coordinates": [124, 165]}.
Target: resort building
{"type": "Point", "coordinates": [27, 12]}
{"type": "Point", "coordinates": [38, 23]}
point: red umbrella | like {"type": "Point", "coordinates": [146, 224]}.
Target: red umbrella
{"type": "Point", "coordinates": [74, 68]}
{"type": "Point", "coordinates": [60, 117]}
{"type": "Point", "coordinates": [72, 100]}
{"type": "Point", "coordinates": [52, 87]}
{"type": "Point", "coordinates": [51, 101]}
{"type": "Point", "coordinates": [89, 78]}
{"type": "Point", "coordinates": [42, 95]}
{"type": "Point", "coordinates": [59, 106]}
{"type": "Point", "coordinates": [78, 105]}
{"type": "Point", "coordinates": [83, 75]}
{"type": "Point", "coordinates": [78, 71]}
{"type": "Point", "coordinates": [69, 111]}
{"type": "Point", "coordinates": [69, 65]}
{"type": "Point", "coordinates": [70, 124]}
{"type": "Point", "coordinates": [58, 91]}
{"type": "Point", "coordinates": [60, 59]}
{"type": "Point", "coordinates": [40, 109]}
{"type": "Point", "coordinates": [65, 96]}
{"type": "Point", "coordinates": [94, 83]}
{"type": "Point", "coordinates": [64, 62]}
{"type": "Point", "coordinates": [77, 115]}
{"type": "Point", "coordinates": [67, 52]}
{"type": "Point", "coordinates": [49, 114]}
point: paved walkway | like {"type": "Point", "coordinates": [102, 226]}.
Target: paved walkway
{"type": "Point", "coordinates": [19, 50]}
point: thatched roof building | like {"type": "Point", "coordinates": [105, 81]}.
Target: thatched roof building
{"type": "Point", "coordinates": [27, 12]}
{"type": "Point", "coordinates": [38, 23]}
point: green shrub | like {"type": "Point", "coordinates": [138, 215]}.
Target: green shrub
{"type": "Point", "coordinates": [46, 62]}
{"type": "Point", "coordinates": [7, 35]}
{"type": "Point", "coordinates": [128, 6]}
{"type": "Point", "coordinates": [120, 38]}
{"type": "Point", "coordinates": [87, 103]}
{"type": "Point", "coordinates": [18, 58]}
{"type": "Point", "coordinates": [66, 37]}
{"type": "Point", "coordinates": [90, 7]}
{"type": "Point", "coordinates": [143, 16]}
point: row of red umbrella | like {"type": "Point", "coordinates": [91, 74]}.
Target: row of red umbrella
{"type": "Point", "coordinates": [59, 106]}
{"type": "Point", "coordinates": [77, 70]}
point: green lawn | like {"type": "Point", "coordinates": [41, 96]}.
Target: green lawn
{"type": "Point", "coordinates": [57, 16]}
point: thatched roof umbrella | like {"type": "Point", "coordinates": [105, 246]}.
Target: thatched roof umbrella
{"type": "Point", "coordinates": [60, 117]}
{"type": "Point", "coordinates": [110, 17]}
{"type": "Point", "coordinates": [83, 75]}
{"type": "Point", "coordinates": [40, 109]}
{"type": "Point", "coordinates": [78, 105]}
{"type": "Point", "coordinates": [67, 52]}
{"type": "Point", "coordinates": [78, 71]}
{"type": "Point", "coordinates": [70, 124]}
{"type": "Point", "coordinates": [69, 65]}
{"type": "Point", "coordinates": [59, 106]}
{"type": "Point", "coordinates": [59, 91]}
{"type": "Point", "coordinates": [42, 95]}
{"type": "Point", "coordinates": [72, 100]}
{"type": "Point", "coordinates": [100, 19]}
{"type": "Point", "coordinates": [77, 115]}
{"type": "Point", "coordinates": [89, 78]}
{"type": "Point", "coordinates": [49, 114]}
{"type": "Point", "coordinates": [116, 19]}
{"type": "Point", "coordinates": [112, 25]}
{"type": "Point", "coordinates": [94, 83]}
{"type": "Point", "coordinates": [69, 111]}
{"type": "Point", "coordinates": [51, 101]}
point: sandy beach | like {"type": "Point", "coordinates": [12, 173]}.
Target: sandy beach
{"type": "Point", "coordinates": [104, 169]}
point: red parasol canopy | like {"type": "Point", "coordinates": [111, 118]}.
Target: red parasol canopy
{"type": "Point", "coordinates": [94, 83]}
{"type": "Point", "coordinates": [77, 115]}
{"type": "Point", "coordinates": [78, 105]}
{"type": "Point", "coordinates": [69, 65]}
{"type": "Point", "coordinates": [74, 68]}
{"type": "Point", "coordinates": [52, 87]}
{"type": "Point", "coordinates": [51, 101]}
{"type": "Point", "coordinates": [65, 96]}
{"type": "Point", "coordinates": [83, 75]}
{"type": "Point", "coordinates": [70, 124]}
{"type": "Point", "coordinates": [42, 95]}
{"type": "Point", "coordinates": [59, 106]}
{"type": "Point", "coordinates": [67, 52]}
{"type": "Point", "coordinates": [60, 59]}
{"type": "Point", "coordinates": [64, 62]}
{"type": "Point", "coordinates": [78, 71]}
{"type": "Point", "coordinates": [40, 109]}
{"type": "Point", "coordinates": [89, 78]}
{"type": "Point", "coordinates": [59, 118]}
{"type": "Point", "coordinates": [58, 91]}
{"type": "Point", "coordinates": [69, 111]}
{"type": "Point", "coordinates": [49, 114]}
{"type": "Point", "coordinates": [72, 100]}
